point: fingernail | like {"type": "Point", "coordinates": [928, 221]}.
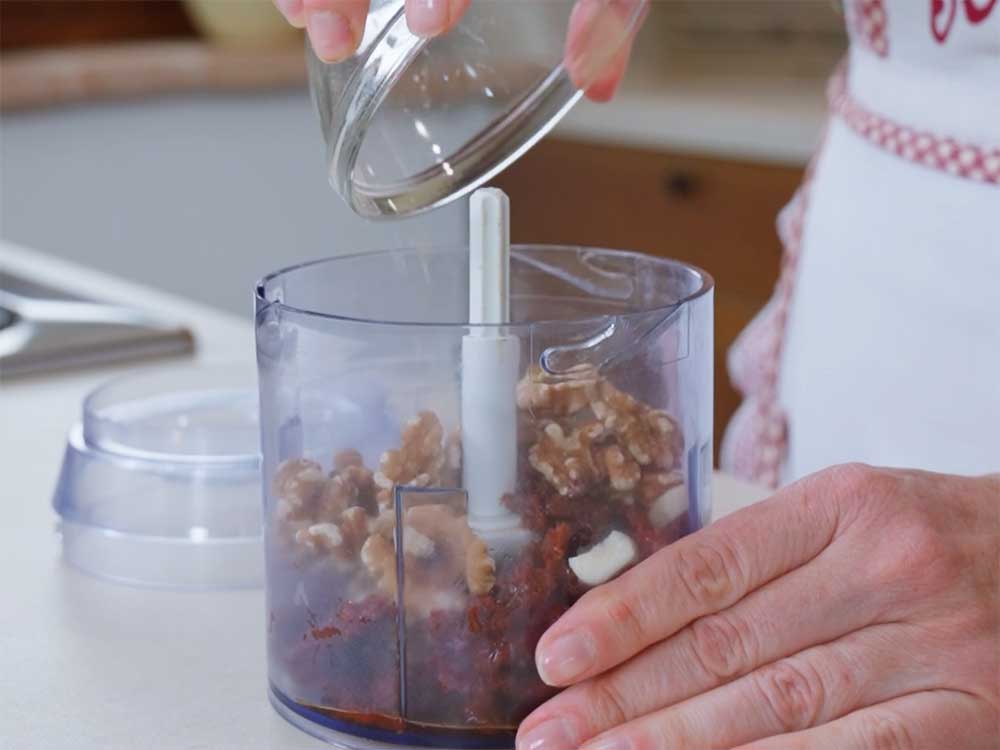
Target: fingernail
{"type": "Point", "coordinates": [553, 734]}
{"type": "Point", "coordinates": [596, 32]}
{"type": "Point", "coordinates": [292, 11]}
{"type": "Point", "coordinates": [427, 17]}
{"type": "Point", "coordinates": [331, 35]}
{"type": "Point", "coordinates": [565, 659]}
{"type": "Point", "coordinates": [611, 742]}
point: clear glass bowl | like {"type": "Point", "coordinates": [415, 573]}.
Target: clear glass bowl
{"type": "Point", "coordinates": [412, 123]}
{"type": "Point", "coordinates": [360, 372]}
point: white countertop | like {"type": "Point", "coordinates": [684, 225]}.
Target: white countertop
{"type": "Point", "coordinates": [88, 664]}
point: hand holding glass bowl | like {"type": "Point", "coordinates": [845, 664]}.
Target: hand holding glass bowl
{"type": "Point", "coordinates": [336, 27]}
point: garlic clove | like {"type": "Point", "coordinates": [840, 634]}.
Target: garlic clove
{"type": "Point", "coordinates": [604, 560]}
{"type": "Point", "coordinates": [669, 506]}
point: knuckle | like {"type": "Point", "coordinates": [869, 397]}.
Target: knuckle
{"type": "Point", "coordinates": [884, 731]}
{"type": "Point", "coordinates": [710, 574]}
{"type": "Point", "coordinates": [722, 646]}
{"type": "Point", "coordinates": [606, 704]}
{"type": "Point", "coordinates": [917, 553]}
{"type": "Point", "coordinates": [860, 485]}
{"type": "Point", "coordinates": [793, 692]}
{"type": "Point", "coordinates": [856, 478]}
{"type": "Point", "coordinates": [624, 614]}
{"type": "Point", "coordinates": [670, 731]}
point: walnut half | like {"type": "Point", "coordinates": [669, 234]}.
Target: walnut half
{"type": "Point", "coordinates": [544, 395]}
{"type": "Point", "coordinates": [568, 461]}
{"type": "Point", "coordinates": [417, 462]}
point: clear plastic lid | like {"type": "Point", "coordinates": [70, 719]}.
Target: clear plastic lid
{"type": "Point", "coordinates": [160, 483]}
{"type": "Point", "coordinates": [412, 123]}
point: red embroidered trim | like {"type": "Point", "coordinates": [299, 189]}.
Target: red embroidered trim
{"type": "Point", "coordinates": [870, 23]}
{"type": "Point", "coordinates": [756, 443]}
{"type": "Point", "coordinates": [920, 147]}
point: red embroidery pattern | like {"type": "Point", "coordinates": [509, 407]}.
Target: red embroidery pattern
{"type": "Point", "coordinates": [756, 441]}
{"type": "Point", "coordinates": [945, 154]}
{"type": "Point", "coordinates": [944, 12]}
{"type": "Point", "coordinates": [870, 22]}
{"type": "Point", "coordinates": [755, 444]}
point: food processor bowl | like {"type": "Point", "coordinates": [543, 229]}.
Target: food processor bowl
{"type": "Point", "coordinates": [393, 617]}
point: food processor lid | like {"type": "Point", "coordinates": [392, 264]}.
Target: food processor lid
{"type": "Point", "coordinates": [160, 483]}
{"type": "Point", "coordinates": [413, 123]}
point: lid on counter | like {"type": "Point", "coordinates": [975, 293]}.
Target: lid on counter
{"type": "Point", "coordinates": [160, 483]}
{"type": "Point", "coordinates": [412, 123]}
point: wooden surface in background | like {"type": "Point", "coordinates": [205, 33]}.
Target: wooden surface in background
{"type": "Point", "coordinates": [30, 24]}
{"type": "Point", "coordinates": [714, 213]}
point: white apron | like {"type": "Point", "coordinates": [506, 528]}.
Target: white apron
{"type": "Point", "coordinates": [882, 343]}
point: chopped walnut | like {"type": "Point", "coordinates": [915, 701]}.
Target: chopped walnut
{"type": "Point", "coordinates": [480, 568]}
{"type": "Point", "coordinates": [452, 475]}
{"type": "Point", "coordinates": [567, 461]}
{"type": "Point", "coordinates": [352, 486]}
{"type": "Point", "coordinates": [379, 555]}
{"type": "Point", "coordinates": [647, 434]}
{"type": "Point", "coordinates": [419, 460]}
{"type": "Point", "coordinates": [347, 458]}
{"type": "Point", "coordinates": [343, 539]}
{"type": "Point", "coordinates": [321, 537]}
{"type": "Point", "coordinates": [440, 550]}
{"type": "Point", "coordinates": [464, 553]}
{"type": "Point", "coordinates": [545, 395]}
{"type": "Point", "coordinates": [354, 530]}
{"type": "Point", "coordinates": [448, 530]}
{"type": "Point", "coordinates": [417, 544]}
{"type": "Point", "coordinates": [297, 484]}
{"type": "Point", "coordinates": [383, 523]}
{"type": "Point", "coordinates": [623, 472]}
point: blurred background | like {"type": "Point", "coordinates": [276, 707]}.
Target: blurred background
{"type": "Point", "coordinates": [172, 142]}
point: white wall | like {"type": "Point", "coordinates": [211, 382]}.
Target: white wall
{"type": "Point", "coordinates": [198, 195]}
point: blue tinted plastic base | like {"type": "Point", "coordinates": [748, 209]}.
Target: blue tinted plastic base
{"type": "Point", "coordinates": [352, 736]}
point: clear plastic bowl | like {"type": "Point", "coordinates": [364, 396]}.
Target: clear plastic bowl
{"type": "Point", "coordinates": [160, 484]}
{"type": "Point", "coordinates": [360, 370]}
{"type": "Point", "coordinates": [412, 123]}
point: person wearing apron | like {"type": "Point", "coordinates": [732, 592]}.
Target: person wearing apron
{"type": "Point", "coordinates": [858, 607]}
{"type": "Point", "coordinates": [882, 341]}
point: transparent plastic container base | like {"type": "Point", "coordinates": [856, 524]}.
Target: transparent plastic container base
{"type": "Point", "coordinates": [349, 735]}
{"type": "Point", "coordinates": [160, 483]}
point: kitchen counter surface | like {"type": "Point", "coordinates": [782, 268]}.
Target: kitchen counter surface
{"type": "Point", "coordinates": [88, 664]}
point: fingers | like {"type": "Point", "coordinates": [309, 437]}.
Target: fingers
{"type": "Point", "coordinates": [433, 17]}
{"type": "Point", "coordinates": [802, 691]}
{"type": "Point", "coordinates": [604, 88]}
{"type": "Point", "coordinates": [811, 605]}
{"type": "Point", "coordinates": [335, 26]}
{"type": "Point", "coordinates": [599, 43]}
{"type": "Point", "coordinates": [931, 720]}
{"type": "Point", "coordinates": [699, 575]}
{"type": "Point", "coordinates": [293, 12]}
